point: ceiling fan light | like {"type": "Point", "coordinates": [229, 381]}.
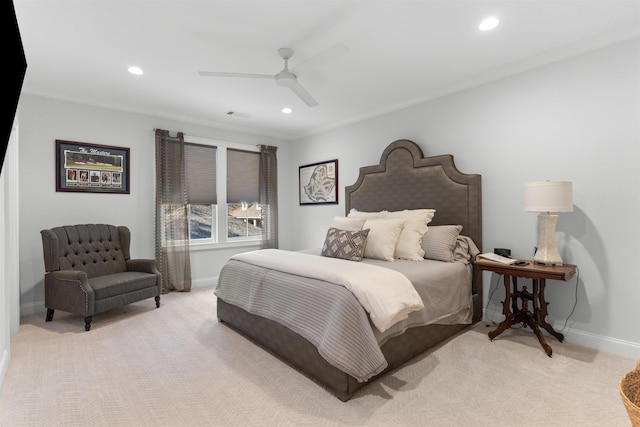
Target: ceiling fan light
{"type": "Point", "coordinates": [286, 79]}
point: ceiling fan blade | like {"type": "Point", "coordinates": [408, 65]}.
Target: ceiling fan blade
{"type": "Point", "coordinates": [324, 56]}
{"type": "Point", "coordinates": [303, 94]}
{"type": "Point", "coordinates": [248, 75]}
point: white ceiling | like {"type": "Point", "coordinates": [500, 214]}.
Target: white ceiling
{"type": "Point", "coordinates": [400, 53]}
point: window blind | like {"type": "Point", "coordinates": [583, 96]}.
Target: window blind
{"type": "Point", "coordinates": [243, 170]}
{"type": "Point", "coordinates": [200, 172]}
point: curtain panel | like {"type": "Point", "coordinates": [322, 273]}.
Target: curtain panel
{"type": "Point", "coordinates": [172, 222]}
{"type": "Point", "coordinates": [269, 196]}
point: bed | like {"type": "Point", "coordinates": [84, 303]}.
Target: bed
{"type": "Point", "coordinates": [314, 315]}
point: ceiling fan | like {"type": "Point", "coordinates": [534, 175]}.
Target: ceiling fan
{"type": "Point", "coordinates": [289, 77]}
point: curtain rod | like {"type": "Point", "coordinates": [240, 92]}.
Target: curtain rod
{"type": "Point", "coordinates": [185, 135]}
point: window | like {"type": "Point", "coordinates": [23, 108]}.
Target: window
{"type": "Point", "coordinates": [244, 215]}
{"type": "Point", "coordinates": [201, 174]}
{"type": "Point", "coordinates": [220, 177]}
{"type": "Point", "coordinates": [202, 220]}
{"type": "Point", "coordinates": [244, 220]}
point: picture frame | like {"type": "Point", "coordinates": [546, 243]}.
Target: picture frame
{"type": "Point", "coordinates": [91, 168]}
{"type": "Point", "coordinates": [318, 183]}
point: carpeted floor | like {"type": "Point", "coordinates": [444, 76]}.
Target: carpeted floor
{"type": "Point", "coordinates": [177, 366]}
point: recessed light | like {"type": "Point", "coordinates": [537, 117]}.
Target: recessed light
{"type": "Point", "coordinates": [287, 110]}
{"type": "Point", "coordinates": [135, 70]}
{"type": "Point", "coordinates": [489, 24]}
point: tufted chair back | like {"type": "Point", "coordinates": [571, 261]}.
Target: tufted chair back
{"type": "Point", "coordinates": [96, 249]}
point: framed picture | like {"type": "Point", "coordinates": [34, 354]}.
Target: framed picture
{"type": "Point", "coordinates": [319, 183]}
{"type": "Point", "coordinates": [91, 168]}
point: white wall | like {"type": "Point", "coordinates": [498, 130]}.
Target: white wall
{"type": "Point", "coordinates": [9, 243]}
{"type": "Point", "coordinates": [575, 120]}
{"type": "Point", "coordinates": [42, 121]}
{"type": "Point", "coordinates": [5, 322]}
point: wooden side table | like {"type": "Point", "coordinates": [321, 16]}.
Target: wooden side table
{"type": "Point", "coordinates": [515, 313]}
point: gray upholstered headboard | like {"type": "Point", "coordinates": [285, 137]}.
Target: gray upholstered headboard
{"type": "Point", "coordinates": [405, 179]}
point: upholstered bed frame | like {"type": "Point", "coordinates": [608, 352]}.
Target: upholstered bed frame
{"type": "Point", "coordinates": [404, 179]}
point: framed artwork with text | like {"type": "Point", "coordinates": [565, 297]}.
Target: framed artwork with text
{"type": "Point", "coordinates": [91, 168]}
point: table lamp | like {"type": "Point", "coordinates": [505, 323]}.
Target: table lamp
{"type": "Point", "coordinates": [548, 197]}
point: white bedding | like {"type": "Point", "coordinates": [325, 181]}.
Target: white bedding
{"type": "Point", "coordinates": [387, 295]}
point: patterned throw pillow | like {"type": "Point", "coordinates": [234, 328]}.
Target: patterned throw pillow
{"type": "Point", "coordinates": [345, 244]}
{"type": "Point", "coordinates": [439, 242]}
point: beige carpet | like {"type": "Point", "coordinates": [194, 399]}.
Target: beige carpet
{"type": "Point", "coordinates": [177, 366]}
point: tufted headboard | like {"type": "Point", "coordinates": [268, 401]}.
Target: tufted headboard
{"type": "Point", "coordinates": [405, 179]}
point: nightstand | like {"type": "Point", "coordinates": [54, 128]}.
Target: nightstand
{"type": "Point", "coordinates": [515, 306]}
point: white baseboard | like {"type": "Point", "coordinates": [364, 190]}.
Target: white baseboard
{"type": "Point", "coordinates": [586, 339]}
{"type": "Point", "coordinates": [32, 307]}
{"type": "Point", "coordinates": [207, 282]}
{"type": "Point", "coordinates": [38, 306]}
{"type": "Point", "coordinates": [575, 336]}
{"type": "Point", "coordinates": [4, 366]}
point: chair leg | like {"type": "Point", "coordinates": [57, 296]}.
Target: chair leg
{"type": "Point", "coordinates": [87, 323]}
{"type": "Point", "coordinates": [158, 301]}
{"type": "Point", "coordinates": [49, 317]}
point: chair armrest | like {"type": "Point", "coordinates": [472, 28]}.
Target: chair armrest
{"type": "Point", "coordinates": [67, 277]}
{"type": "Point", "coordinates": [146, 266]}
{"type": "Point", "coordinates": [69, 290]}
{"type": "Point", "coordinates": [142, 265]}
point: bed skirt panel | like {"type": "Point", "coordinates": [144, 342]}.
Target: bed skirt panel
{"type": "Point", "coordinates": [303, 356]}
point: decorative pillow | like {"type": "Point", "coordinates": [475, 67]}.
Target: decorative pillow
{"type": "Point", "coordinates": [345, 244]}
{"type": "Point", "coordinates": [349, 224]}
{"type": "Point", "coordinates": [354, 213]}
{"type": "Point", "coordinates": [409, 244]}
{"type": "Point", "coordinates": [439, 242]}
{"type": "Point", "coordinates": [382, 239]}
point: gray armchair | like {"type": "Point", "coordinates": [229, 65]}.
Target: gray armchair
{"type": "Point", "coordinates": [89, 270]}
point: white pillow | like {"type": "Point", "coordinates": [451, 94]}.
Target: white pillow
{"type": "Point", "coordinates": [348, 224]}
{"type": "Point", "coordinates": [354, 213]}
{"type": "Point", "coordinates": [409, 244]}
{"type": "Point", "coordinates": [382, 238]}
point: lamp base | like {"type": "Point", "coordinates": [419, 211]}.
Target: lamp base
{"type": "Point", "coordinates": [547, 252]}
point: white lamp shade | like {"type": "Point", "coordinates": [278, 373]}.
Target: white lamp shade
{"type": "Point", "coordinates": [548, 196]}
